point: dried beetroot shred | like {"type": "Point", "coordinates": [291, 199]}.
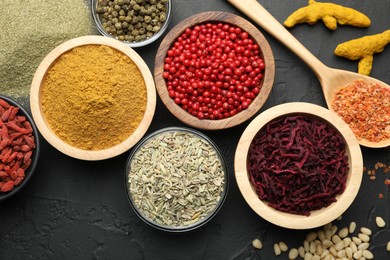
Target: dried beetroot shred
{"type": "Point", "coordinates": [298, 164]}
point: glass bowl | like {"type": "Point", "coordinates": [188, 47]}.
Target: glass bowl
{"type": "Point", "coordinates": [29, 171]}
{"type": "Point", "coordinates": [99, 26]}
{"type": "Point", "coordinates": [159, 184]}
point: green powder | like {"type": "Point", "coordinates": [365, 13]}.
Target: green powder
{"type": "Point", "coordinates": [29, 30]}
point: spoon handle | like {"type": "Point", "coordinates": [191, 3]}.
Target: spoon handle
{"type": "Point", "coordinates": [262, 17]}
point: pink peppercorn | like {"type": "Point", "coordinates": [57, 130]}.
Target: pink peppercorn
{"type": "Point", "coordinates": [213, 71]}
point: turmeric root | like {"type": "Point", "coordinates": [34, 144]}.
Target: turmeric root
{"type": "Point", "coordinates": [363, 49]}
{"type": "Point", "coordinates": [329, 13]}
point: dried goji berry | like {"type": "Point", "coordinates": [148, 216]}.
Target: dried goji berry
{"type": "Point", "coordinates": [9, 185]}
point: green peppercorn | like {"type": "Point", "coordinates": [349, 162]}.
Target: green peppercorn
{"type": "Point", "coordinates": [136, 8]}
{"type": "Point", "coordinates": [163, 17]}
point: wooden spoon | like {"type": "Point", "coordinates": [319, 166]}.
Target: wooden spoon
{"type": "Point", "coordinates": [330, 79]}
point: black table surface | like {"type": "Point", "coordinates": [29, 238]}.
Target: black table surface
{"type": "Point", "coordinates": [74, 209]}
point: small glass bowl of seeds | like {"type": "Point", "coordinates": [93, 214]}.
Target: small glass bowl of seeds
{"type": "Point", "coordinates": [134, 22]}
{"type": "Point", "coordinates": [176, 179]}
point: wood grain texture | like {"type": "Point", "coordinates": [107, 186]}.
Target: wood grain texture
{"type": "Point", "coordinates": [52, 138]}
{"type": "Point", "coordinates": [317, 217]}
{"type": "Point", "coordinates": [331, 79]}
{"type": "Point", "coordinates": [257, 103]}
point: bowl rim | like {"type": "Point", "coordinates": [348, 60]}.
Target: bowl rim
{"type": "Point", "coordinates": [203, 221]}
{"type": "Point", "coordinates": [267, 80]}
{"type": "Point", "coordinates": [143, 43]}
{"type": "Point", "coordinates": [317, 217]}
{"type": "Point", "coordinates": [36, 152]}
{"type": "Point", "coordinates": [52, 138]}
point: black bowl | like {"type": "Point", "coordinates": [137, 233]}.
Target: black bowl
{"type": "Point", "coordinates": [34, 157]}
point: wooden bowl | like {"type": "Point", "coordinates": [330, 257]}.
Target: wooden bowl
{"type": "Point", "coordinates": [58, 143]}
{"type": "Point", "coordinates": [317, 217]}
{"type": "Point", "coordinates": [266, 84]}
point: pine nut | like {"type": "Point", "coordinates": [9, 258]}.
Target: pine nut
{"type": "Point", "coordinates": [353, 247]}
{"type": "Point", "coordinates": [339, 245]}
{"type": "Point", "coordinates": [357, 240]}
{"type": "Point", "coordinates": [388, 246]}
{"type": "Point", "coordinates": [308, 256]}
{"type": "Point", "coordinates": [341, 254]}
{"type": "Point", "coordinates": [347, 241]}
{"type": "Point", "coordinates": [277, 250]}
{"type": "Point", "coordinates": [321, 235]}
{"type": "Point", "coordinates": [333, 229]}
{"type": "Point", "coordinates": [301, 251]}
{"type": "Point", "coordinates": [366, 231]}
{"type": "Point", "coordinates": [325, 253]}
{"type": "Point", "coordinates": [306, 246]}
{"type": "Point", "coordinates": [364, 237]}
{"type": "Point", "coordinates": [343, 232]}
{"type": "Point", "coordinates": [380, 222]}
{"type": "Point", "coordinates": [348, 252]}
{"type": "Point", "coordinates": [293, 253]}
{"type": "Point", "coordinates": [367, 254]}
{"type": "Point", "coordinates": [283, 247]}
{"type": "Point", "coordinates": [363, 246]}
{"type": "Point", "coordinates": [358, 254]}
{"type": "Point", "coordinates": [352, 227]}
{"type": "Point", "coordinates": [333, 251]}
{"type": "Point", "coordinates": [319, 249]}
{"type": "Point", "coordinates": [257, 244]}
{"type": "Point", "coordinates": [313, 248]}
{"type": "Point", "coordinates": [336, 239]}
{"type": "Point", "coordinates": [327, 243]}
{"type": "Point", "coordinates": [316, 257]}
{"type": "Point", "coordinates": [311, 236]}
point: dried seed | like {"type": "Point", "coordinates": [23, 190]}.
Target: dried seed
{"type": "Point", "coordinates": [308, 256]}
{"type": "Point", "coordinates": [283, 247]}
{"type": "Point", "coordinates": [367, 254]}
{"type": "Point", "coordinates": [293, 254]}
{"type": "Point", "coordinates": [277, 249]}
{"type": "Point", "coordinates": [352, 227]}
{"type": "Point", "coordinates": [301, 251]}
{"type": "Point", "coordinates": [366, 231]}
{"type": "Point", "coordinates": [357, 240]}
{"type": "Point", "coordinates": [311, 236]}
{"type": "Point", "coordinates": [358, 254]}
{"type": "Point", "coordinates": [256, 243]}
{"type": "Point", "coordinates": [364, 237]}
{"type": "Point", "coordinates": [336, 239]}
{"type": "Point", "coordinates": [388, 246]}
{"type": "Point", "coordinates": [343, 232]}
{"type": "Point", "coordinates": [380, 222]}
{"type": "Point", "coordinates": [363, 246]}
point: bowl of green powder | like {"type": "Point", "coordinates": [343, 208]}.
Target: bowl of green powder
{"type": "Point", "coordinates": [176, 179]}
{"type": "Point", "coordinates": [134, 22]}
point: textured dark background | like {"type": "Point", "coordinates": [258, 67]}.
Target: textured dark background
{"type": "Point", "coordinates": [74, 209]}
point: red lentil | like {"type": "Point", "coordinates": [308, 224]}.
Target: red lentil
{"type": "Point", "coordinates": [213, 71]}
{"type": "Point", "coordinates": [365, 107]}
{"type": "Point", "coordinates": [16, 146]}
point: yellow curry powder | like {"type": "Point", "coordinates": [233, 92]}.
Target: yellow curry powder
{"type": "Point", "coordinates": [93, 97]}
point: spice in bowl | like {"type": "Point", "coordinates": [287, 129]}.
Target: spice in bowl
{"type": "Point", "coordinates": [298, 164]}
{"type": "Point", "coordinates": [176, 179]}
{"type": "Point", "coordinates": [18, 147]}
{"type": "Point", "coordinates": [132, 21]}
{"type": "Point", "coordinates": [213, 70]}
{"type": "Point", "coordinates": [365, 107]}
{"type": "Point", "coordinates": [93, 97]}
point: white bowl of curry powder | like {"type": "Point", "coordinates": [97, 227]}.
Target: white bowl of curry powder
{"type": "Point", "coordinates": [93, 98]}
